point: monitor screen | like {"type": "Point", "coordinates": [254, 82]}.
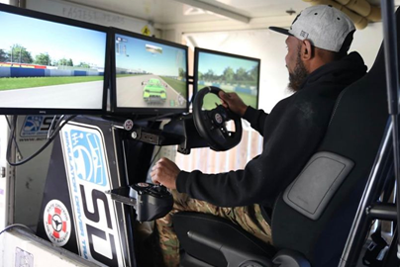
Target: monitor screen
{"type": "Point", "coordinates": [150, 75]}
{"type": "Point", "coordinates": [229, 72]}
{"type": "Point", "coordinates": [50, 64]}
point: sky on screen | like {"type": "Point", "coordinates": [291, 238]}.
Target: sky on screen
{"type": "Point", "coordinates": [57, 40]}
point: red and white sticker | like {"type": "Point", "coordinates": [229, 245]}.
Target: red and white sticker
{"type": "Point", "coordinates": [57, 222]}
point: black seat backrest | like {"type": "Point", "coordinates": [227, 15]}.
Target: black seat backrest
{"type": "Point", "coordinates": [355, 133]}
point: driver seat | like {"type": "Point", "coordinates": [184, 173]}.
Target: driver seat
{"type": "Point", "coordinates": [313, 231]}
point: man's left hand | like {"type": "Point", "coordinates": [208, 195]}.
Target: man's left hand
{"type": "Point", "coordinates": [165, 172]}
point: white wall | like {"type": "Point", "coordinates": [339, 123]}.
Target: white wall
{"type": "Point", "coordinates": [368, 41]}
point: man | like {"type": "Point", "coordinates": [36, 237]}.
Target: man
{"type": "Point", "coordinates": [319, 69]}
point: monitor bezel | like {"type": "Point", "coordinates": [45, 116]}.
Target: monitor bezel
{"type": "Point", "coordinates": [143, 110]}
{"type": "Point", "coordinates": [69, 22]}
{"type": "Point", "coordinates": [199, 50]}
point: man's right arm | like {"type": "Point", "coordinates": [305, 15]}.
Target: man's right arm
{"type": "Point", "coordinates": [236, 105]}
{"type": "Point", "coordinates": [256, 118]}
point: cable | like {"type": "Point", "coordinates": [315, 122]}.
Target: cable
{"type": "Point", "coordinates": [12, 135]}
{"type": "Point", "coordinates": [50, 131]}
{"type": "Point", "coordinates": [14, 226]}
{"type": "Point", "coordinates": [15, 140]}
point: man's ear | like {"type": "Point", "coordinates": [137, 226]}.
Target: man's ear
{"type": "Point", "coordinates": [307, 51]}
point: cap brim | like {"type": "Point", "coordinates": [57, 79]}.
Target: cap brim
{"type": "Point", "coordinates": [280, 30]}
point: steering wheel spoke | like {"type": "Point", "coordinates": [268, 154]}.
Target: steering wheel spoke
{"type": "Point", "coordinates": [207, 119]}
{"type": "Point", "coordinates": [225, 131]}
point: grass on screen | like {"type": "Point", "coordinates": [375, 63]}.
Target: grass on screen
{"type": "Point", "coordinates": [120, 75]}
{"type": "Point", "coordinates": [30, 82]}
{"type": "Point", "coordinates": [179, 86]}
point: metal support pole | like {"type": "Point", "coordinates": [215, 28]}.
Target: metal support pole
{"type": "Point", "coordinates": [392, 78]}
{"type": "Point", "coordinates": [362, 219]}
{"type": "Point", "coordinates": [383, 211]}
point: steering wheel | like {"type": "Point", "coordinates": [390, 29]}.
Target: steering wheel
{"type": "Point", "coordinates": [211, 124]}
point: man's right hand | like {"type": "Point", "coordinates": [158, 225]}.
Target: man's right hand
{"type": "Point", "coordinates": [233, 102]}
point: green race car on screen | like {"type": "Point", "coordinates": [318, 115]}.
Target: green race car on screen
{"type": "Point", "coordinates": [154, 91]}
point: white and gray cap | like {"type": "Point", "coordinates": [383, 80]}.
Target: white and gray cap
{"type": "Point", "coordinates": [325, 26]}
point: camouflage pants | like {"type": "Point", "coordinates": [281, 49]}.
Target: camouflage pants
{"type": "Point", "coordinates": [249, 218]}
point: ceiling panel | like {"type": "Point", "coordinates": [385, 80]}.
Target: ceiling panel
{"type": "Point", "coordinates": [158, 11]}
{"type": "Point", "coordinates": [257, 8]}
{"type": "Point", "coordinates": [176, 11]}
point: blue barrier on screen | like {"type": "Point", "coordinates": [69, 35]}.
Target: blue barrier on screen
{"type": "Point", "coordinates": [26, 72]}
{"type": "Point", "coordinates": [4, 72]}
{"type": "Point", "coordinates": [79, 73]}
{"type": "Point", "coordinates": [239, 89]}
{"type": "Point", "coordinates": [17, 72]}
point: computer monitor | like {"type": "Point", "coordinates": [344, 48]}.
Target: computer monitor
{"type": "Point", "coordinates": [149, 76]}
{"type": "Point", "coordinates": [50, 64]}
{"type": "Point", "coordinates": [229, 72]}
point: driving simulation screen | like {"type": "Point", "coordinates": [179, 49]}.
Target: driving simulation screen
{"type": "Point", "coordinates": [49, 65]}
{"type": "Point", "coordinates": [230, 73]}
{"type": "Point", "coordinates": [149, 74]}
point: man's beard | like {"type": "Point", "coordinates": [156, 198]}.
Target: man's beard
{"type": "Point", "coordinates": [298, 76]}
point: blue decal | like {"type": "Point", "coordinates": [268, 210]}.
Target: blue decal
{"type": "Point", "coordinates": [87, 157]}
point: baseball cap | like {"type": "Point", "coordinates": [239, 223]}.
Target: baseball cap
{"type": "Point", "coordinates": [325, 26]}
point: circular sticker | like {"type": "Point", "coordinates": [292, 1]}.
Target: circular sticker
{"type": "Point", "coordinates": [143, 184]}
{"type": "Point", "coordinates": [57, 222]}
{"type": "Point", "coordinates": [128, 125]}
{"type": "Point", "coordinates": [218, 118]}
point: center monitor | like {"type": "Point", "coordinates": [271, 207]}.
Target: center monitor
{"type": "Point", "coordinates": [149, 75]}
{"type": "Point", "coordinates": [50, 64]}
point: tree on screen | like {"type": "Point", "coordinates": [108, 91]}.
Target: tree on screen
{"type": "Point", "coordinates": [209, 75]}
{"type": "Point", "coordinates": [254, 73]}
{"type": "Point", "coordinates": [19, 54]}
{"type": "Point", "coordinates": [43, 59]}
{"type": "Point", "coordinates": [65, 62]}
{"type": "Point", "coordinates": [3, 56]}
{"type": "Point", "coordinates": [182, 73]}
{"type": "Point", "coordinates": [241, 74]}
{"type": "Point", "coordinates": [84, 65]}
{"type": "Point", "coordinates": [228, 74]}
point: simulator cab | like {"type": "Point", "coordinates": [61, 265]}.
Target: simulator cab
{"type": "Point", "coordinates": [108, 104]}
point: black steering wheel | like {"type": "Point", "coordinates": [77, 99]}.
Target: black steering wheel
{"type": "Point", "coordinates": [211, 124]}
